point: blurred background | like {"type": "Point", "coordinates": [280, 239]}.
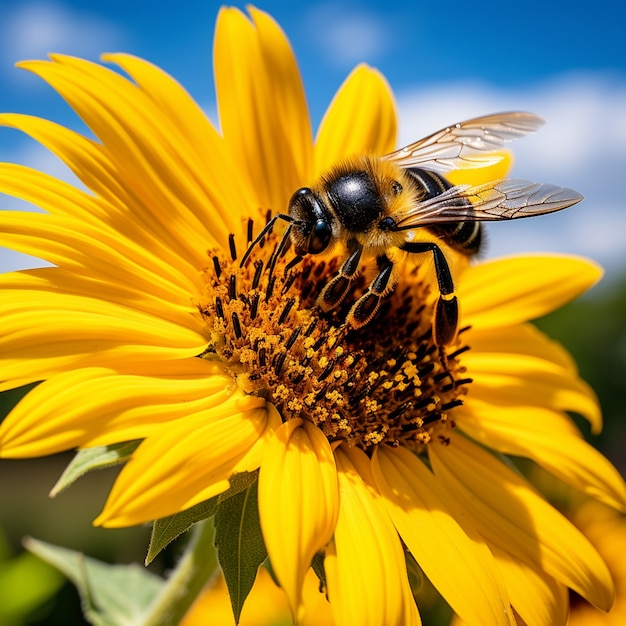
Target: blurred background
{"type": "Point", "coordinates": [445, 63]}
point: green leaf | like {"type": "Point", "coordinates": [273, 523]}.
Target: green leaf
{"type": "Point", "coordinates": [112, 595]}
{"type": "Point", "coordinates": [91, 459]}
{"type": "Point", "coordinates": [238, 483]}
{"type": "Point", "coordinates": [239, 543]}
{"type": "Point", "coordinates": [166, 529]}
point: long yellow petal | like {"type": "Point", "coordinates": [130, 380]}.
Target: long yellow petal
{"type": "Point", "coordinates": [298, 503]}
{"type": "Point", "coordinates": [518, 289]}
{"type": "Point", "coordinates": [262, 109]}
{"type": "Point", "coordinates": [461, 568]}
{"type": "Point", "coordinates": [365, 566]}
{"type": "Point", "coordinates": [62, 282]}
{"type": "Point", "coordinates": [523, 378]}
{"type": "Point", "coordinates": [143, 216]}
{"type": "Point", "coordinates": [520, 339]}
{"type": "Point", "coordinates": [202, 148]}
{"type": "Point", "coordinates": [360, 120]}
{"type": "Point", "coordinates": [537, 598]}
{"type": "Point", "coordinates": [174, 468]}
{"type": "Point", "coordinates": [73, 245]}
{"type": "Point", "coordinates": [46, 332]}
{"type": "Point", "coordinates": [150, 157]}
{"type": "Point", "coordinates": [509, 514]}
{"type": "Point", "coordinates": [548, 439]}
{"type": "Point", "coordinates": [98, 406]}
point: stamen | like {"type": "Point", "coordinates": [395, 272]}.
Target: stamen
{"type": "Point", "coordinates": [258, 271]}
{"type": "Point", "coordinates": [327, 371]}
{"type": "Point", "coordinates": [232, 287]}
{"type": "Point", "coordinates": [236, 325]}
{"type": "Point", "coordinates": [231, 245]}
{"type": "Point", "coordinates": [291, 278]}
{"type": "Point", "coordinates": [280, 361]}
{"type": "Point", "coordinates": [311, 327]}
{"type": "Point", "coordinates": [295, 333]}
{"type": "Point", "coordinates": [366, 386]}
{"type": "Point", "coordinates": [254, 306]}
{"type": "Point", "coordinates": [450, 405]}
{"type": "Point", "coordinates": [288, 306]}
{"type": "Point", "coordinates": [270, 288]}
{"type": "Point", "coordinates": [459, 352]}
{"type": "Point", "coordinates": [219, 309]}
{"type": "Point", "coordinates": [217, 268]}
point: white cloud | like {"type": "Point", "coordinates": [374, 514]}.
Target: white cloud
{"type": "Point", "coordinates": [583, 146]}
{"type": "Point", "coordinates": [34, 29]}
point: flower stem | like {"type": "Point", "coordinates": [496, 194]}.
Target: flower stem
{"type": "Point", "coordinates": [194, 570]}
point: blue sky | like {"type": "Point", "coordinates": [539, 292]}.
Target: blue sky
{"type": "Point", "coordinates": [445, 62]}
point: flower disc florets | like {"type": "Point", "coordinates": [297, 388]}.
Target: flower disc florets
{"type": "Point", "coordinates": [384, 383]}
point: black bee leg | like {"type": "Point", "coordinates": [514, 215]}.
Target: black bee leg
{"type": "Point", "coordinates": [446, 316]}
{"type": "Point", "coordinates": [368, 304]}
{"type": "Point", "coordinates": [335, 291]}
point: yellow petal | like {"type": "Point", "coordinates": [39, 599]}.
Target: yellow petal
{"type": "Point", "coordinates": [262, 108]}
{"type": "Point", "coordinates": [365, 566]}
{"type": "Point", "coordinates": [507, 374]}
{"type": "Point", "coordinates": [98, 406]}
{"type": "Point", "coordinates": [548, 439]}
{"type": "Point", "coordinates": [298, 503]}
{"type": "Point", "coordinates": [143, 216]}
{"type": "Point", "coordinates": [150, 158]}
{"type": "Point", "coordinates": [509, 514]}
{"type": "Point", "coordinates": [200, 144]}
{"type": "Point", "coordinates": [518, 289]}
{"type": "Point", "coordinates": [73, 245]}
{"type": "Point", "coordinates": [537, 598]}
{"type": "Point", "coordinates": [460, 568]}
{"type": "Point", "coordinates": [360, 120]}
{"type": "Point", "coordinates": [46, 332]}
{"type": "Point", "coordinates": [523, 339]}
{"type": "Point", "coordinates": [187, 461]}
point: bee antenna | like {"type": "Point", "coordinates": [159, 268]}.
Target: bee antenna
{"type": "Point", "coordinates": [259, 237]}
{"type": "Point", "coordinates": [279, 248]}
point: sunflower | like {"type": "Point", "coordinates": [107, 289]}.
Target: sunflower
{"type": "Point", "coordinates": [377, 452]}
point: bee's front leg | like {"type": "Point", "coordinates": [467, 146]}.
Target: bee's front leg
{"type": "Point", "coordinates": [335, 291]}
{"type": "Point", "coordinates": [368, 304]}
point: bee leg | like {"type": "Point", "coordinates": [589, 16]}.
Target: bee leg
{"type": "Point", "coordinates": [335, 290]}
{"type": "Point", "coordinates": [368, 304]}
{"type": "Point", "coordinates": [446, 315]}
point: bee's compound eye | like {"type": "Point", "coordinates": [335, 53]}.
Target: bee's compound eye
{"type": "Point", "coordinates": [320, 237]}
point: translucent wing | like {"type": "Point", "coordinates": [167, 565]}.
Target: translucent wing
{"type": "Point", "coordinates": [466, 144]}
{"type": "Point", "coordinates": [499, 200]}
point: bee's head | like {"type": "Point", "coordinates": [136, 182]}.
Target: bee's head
{"type": "Point", "coordinates": [312, 230]}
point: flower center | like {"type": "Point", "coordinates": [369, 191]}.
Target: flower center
{"type": "Point", "coordinates": [386, 382]}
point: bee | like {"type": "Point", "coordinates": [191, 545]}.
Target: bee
{"type": "Point", "coordinates": [375, 207]}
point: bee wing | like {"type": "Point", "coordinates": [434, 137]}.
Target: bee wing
{"type": "Point", "coordinates": [461, 145]}
{"type": "Point", "coordinates": [505, 199]}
